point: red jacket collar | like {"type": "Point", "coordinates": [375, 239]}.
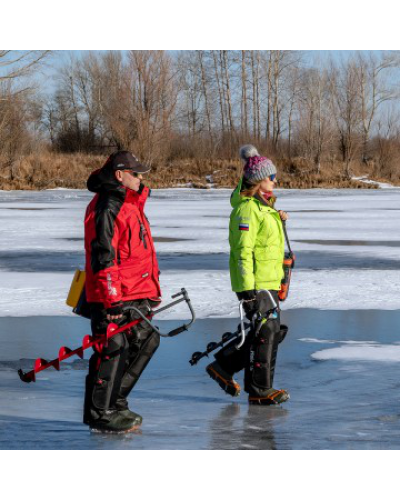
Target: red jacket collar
{"type": "Point", "coordinates": [138, 198]}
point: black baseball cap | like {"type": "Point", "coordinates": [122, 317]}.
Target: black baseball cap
{"type": "Point", "coordinates": [124, 160]}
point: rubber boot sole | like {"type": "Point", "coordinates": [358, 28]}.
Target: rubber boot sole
{"type": "Point", "coordinates": [229, 386]}
{"type": "Point", "coordinates": [121, 427]}
{"type": "Point", "coordinates": [275, 398]}
{"type": "Point", "coordinates": [99, 430]}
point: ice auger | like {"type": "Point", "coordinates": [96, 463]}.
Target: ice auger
{"type": "Point", "coordinates": [269, 306]}
{"type": "Point", "coordinates": [112, 329]}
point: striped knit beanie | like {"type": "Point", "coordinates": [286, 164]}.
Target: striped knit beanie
{"type": "Point", "coordinates": [256, 167]}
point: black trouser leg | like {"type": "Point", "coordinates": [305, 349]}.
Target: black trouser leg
{"type": "Point", "coordinates": [143, 343]}
{"type": "Point", "coordinates": [260, 367]}
{"type": "Point", "coordinates": [231, 359]}
{"type": "Point", "coordinates": [140, 354]}
{"type": "Point", "coordinates": [104, 377]}
{"type": "Point", "coordinates": [105, 368]}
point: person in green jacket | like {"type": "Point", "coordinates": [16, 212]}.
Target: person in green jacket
{"type": "Point", "coordinates": [256, 241]}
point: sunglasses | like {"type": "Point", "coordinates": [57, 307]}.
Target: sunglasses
{"type": "Point", "coordinates": [272, 177]}
{"type": "Point", "coordinates": [134, 174]}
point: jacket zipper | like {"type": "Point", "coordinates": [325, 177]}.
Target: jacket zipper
{"type": "Point", "coordinates": [129, 239]}
{"type": "Point", "coordinates": [142, 233]}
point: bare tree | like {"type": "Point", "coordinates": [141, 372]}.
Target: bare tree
{"type": "Point", "coordinates": [228, 96]}
{"type": "Point", "coordinates": [204, 84]}
{"type": "Point", "coordinates": [346, 108]}
{"type": "Point", "coordinates": [153, 85]}
{"type": "Point", "coordinates": [374, 89]}
{"type": "Point", "coordinates": [17, 129]}
{"type": "Point", "coordinates": [255, 73]}
{"type": "Point", "coordinates": [314, 116]}
{"type": "Point", "coordinates": [221, 99]}
{"type": "Point", "coordinates": [243, 104]}
{"type": "Point", "coordinates": [15, 64]}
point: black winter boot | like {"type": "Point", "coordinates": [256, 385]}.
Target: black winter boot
{"type": "Point", "coordinates": [130, 414]}
{"type": "Point", "coordinates": [270, 397]}
{"type": "Point", "coordinates": [259, 373]}
{"type": "Point", "coordinates": [115, 422]}
{"type": "Point", "coordinates": [223, 379]}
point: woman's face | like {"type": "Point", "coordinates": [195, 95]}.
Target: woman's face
{"type": "Point", "coordinates": [267, 184]}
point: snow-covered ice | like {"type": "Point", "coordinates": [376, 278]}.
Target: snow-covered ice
{"type": "Point", "coordinates": [381, 185]}
{"type": "Point", "coordinates": [363, 351]}
{"type": "Point", "coordinates": [346, 243]}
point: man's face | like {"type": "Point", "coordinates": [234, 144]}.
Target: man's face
{"type": "Point", "coordinates": [129, 179]}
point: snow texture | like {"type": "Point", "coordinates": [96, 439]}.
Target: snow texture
{"type": "Point", "coordinates": [346, 243]}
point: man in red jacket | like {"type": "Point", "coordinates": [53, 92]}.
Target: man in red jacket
{"type": "Point", "coordinates": [121, 272]}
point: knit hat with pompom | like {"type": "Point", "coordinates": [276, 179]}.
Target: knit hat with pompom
{"type": "Point", "coordinates": [256, 167]}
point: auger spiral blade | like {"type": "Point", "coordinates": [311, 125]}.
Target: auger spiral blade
{"type": "Point", "coordinates": [88, 341]}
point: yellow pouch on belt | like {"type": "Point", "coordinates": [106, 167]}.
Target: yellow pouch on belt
{"type": "Point", "coordinates": [77, 286]}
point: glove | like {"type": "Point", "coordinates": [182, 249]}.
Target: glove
{"type": "Point", "coordinates": [259, 301]}
{"type": "Point", "coordinates": [115, 309]}
{"type": "Point", "coordinates": [248, 295]}
{"type": "Point", "coordinates": [250, 304]}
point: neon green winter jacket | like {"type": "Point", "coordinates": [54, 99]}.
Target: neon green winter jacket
{"type": "Point", "coordinates": [257, 245]}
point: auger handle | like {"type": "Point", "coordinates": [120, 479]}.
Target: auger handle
{"type": "Point", "coordinates": [146, 320]}
{"type": "Point", "coordinates": [177, 331]}
{"type": "Point", "coordinates": [242, 328]}
{"type": "Point", "coordinates": [185, 327]}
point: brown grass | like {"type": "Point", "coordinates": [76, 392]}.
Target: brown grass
{"type": "Point", "coordinates": [51, 170]}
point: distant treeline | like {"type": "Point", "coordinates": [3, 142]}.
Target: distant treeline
{"type": "Point", "coordinates": [320, 119]}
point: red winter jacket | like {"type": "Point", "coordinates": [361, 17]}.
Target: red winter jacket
{"type": "Point", "coordinates": [121, 263]}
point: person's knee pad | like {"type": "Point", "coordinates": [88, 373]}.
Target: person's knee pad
{"type": "Point", "coordinates": [115, 345]}
{"type": "Point", "coordinates": [269, 329]}
{"type": "Point", "coordinates": [147, 348]}
{"type": "Point", "coordinates": [139, 359]}
{"type": "Point", "coordinates": [142, 329]}
{"type": "Point", "coordinates": [261, 351]}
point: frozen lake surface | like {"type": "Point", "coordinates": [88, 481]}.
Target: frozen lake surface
{"type": "Point", "coordinates": [347, 400]}
{"type": "Point", "coordinates": [340, 362]}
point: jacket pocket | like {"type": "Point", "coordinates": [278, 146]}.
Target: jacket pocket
{"type": "Point", "coordinates": [136, 275]}
{"type": "Point", "coordinates": [267, 270]}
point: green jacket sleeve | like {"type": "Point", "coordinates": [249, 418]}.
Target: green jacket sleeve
{"type": "Point", "coordinates": [235, 196]}
{"type": "Point", "coordinates": [243, 230]}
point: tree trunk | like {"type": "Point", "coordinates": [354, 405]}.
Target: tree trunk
{"type": "Point", "coordinates": [244, 117]}
{"type": "Point", "coordinates": [205, 94]}
{"type": "Point", "coordinates": [220, 93]}
{"type": "Point", "coordinates": [269, 106]}
{"type": "Point", "coordinates": [228, 99]}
